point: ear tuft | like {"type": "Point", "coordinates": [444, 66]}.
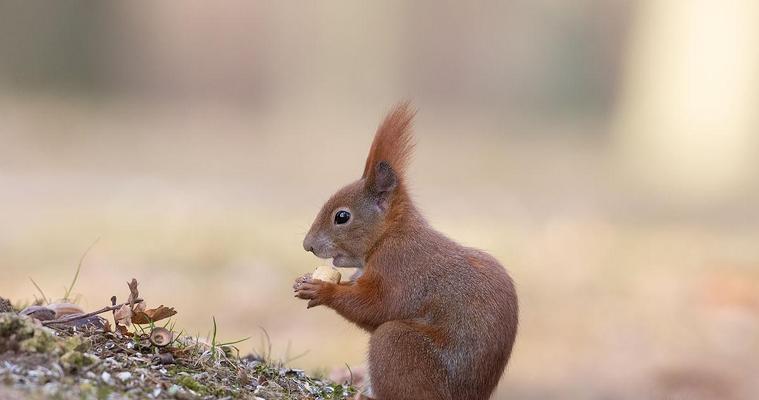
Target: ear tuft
{"type": "Point", "coordinates": [393, 143]}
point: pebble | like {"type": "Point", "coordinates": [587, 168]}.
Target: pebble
{"type": "Point", "coordinates": [124, 376]}
{"type": "Point", "coordinates": [106, 378]}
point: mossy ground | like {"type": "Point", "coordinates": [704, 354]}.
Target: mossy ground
{"type": "Point", "coordinates": [38, 362]}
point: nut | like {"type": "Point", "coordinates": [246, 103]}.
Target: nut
{"type": "Point", "coordinates": [161, 337]}
{"type": "Point", "coordinates": [327, 274]}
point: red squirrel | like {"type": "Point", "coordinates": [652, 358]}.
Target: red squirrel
{"type": "Point", "coordinates": [442, 317]}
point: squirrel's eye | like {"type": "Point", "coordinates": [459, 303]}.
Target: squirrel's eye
{"type": "Point", "coordinates": [342, 217]}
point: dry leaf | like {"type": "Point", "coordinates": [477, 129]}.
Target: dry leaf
{"type": "Point", "coordinates": [134, 294]}
{"type": "Point", "coordinates": [139, 307]}
{"type": "Point", "coordinates": [123, 316]}
{"type": "Point", "coordinates": [153, 314]}
{"type": "Point", "coordinates": [124, 331]}
{"type": "Point", "coordinates": [107, 326]}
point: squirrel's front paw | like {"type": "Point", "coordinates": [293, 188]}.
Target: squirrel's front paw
{"type": "Point", "coordinates": [301, 279]}
{"type": "Point", "coordinates": [315, 291]}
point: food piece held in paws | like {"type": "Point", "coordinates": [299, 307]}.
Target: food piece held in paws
{"type": "Point", "coordinates": [327, 274]}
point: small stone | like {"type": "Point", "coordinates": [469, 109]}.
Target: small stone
{"type": "Point", "coordinates": [124, 376]}
{"type": "Point", "coordinates": [51, 389]}
{"type": "Point", "coordinates": [106, 378]}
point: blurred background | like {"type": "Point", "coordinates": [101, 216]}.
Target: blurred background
{"type": "Point", "coordinates": [605, 152]}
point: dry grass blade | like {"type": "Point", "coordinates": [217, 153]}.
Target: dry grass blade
{"type": "Point", "coordinates": [350, 372]}
{"type": "Point", "coordinates": [266, 347]}
{"type": "Point", "coordinates": [39, 289]}
{"type": "Point", "coordinates": [78, 269]}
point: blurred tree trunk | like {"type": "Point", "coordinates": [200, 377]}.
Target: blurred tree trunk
{"type": "Point", "coordinates": [687, 117]}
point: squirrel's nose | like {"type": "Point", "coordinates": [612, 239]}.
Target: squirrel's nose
{"type": "Point", "coordinates": [307, 244]}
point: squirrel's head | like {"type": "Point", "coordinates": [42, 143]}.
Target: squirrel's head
{"type": "Point", "coordinates": [355, 218]}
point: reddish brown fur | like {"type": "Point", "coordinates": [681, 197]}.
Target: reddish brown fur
{"type": "Point", "coordinates": [393, 142]}
{"type": "Point", "coordinates": [443, 317]}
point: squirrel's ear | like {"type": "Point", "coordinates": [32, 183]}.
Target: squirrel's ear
{"type": "Point", "coordinates": [382, 183]}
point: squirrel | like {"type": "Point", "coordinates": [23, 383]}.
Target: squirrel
{"type": "Point", "coordinates": [442, 317]}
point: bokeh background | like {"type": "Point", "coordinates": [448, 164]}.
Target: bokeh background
{"type": "Point", "coordinates": [604, 151]}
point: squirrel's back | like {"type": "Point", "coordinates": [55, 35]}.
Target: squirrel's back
{"type": "Point", "coordinates": [464, 295]}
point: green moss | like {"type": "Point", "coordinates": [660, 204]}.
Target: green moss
{"type": "Point", "coordinates": [103, 392]}
{"type": "Point", "coordinates": [40, 342]}
{"type": "Point", "coordinates": [87, 390]}
{"type": "Point", "coordinates": [76, 360]}
{"type": "Point", "coordinates": [192, 384]}
{"type": "Point", "coordinates": [23, 335]}
{"type": "Point", "coordinates": [176, 369]}
{"type": "Point", "coordinates": [75, 343]}
{"type": "Point", "coordinates": [15, 325]}
{"type": "Point", "coordinates": [216, 391]}
{"type": "Point", "coordinates": [266, 371]}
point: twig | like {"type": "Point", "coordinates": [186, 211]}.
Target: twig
{"type": "Point", "coordinates": [113, 303]}
{"type": "Point", "coordinates": [75, 317]}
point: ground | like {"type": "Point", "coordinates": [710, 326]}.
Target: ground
{"type": "Point", "coordinates": [88, 363]}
